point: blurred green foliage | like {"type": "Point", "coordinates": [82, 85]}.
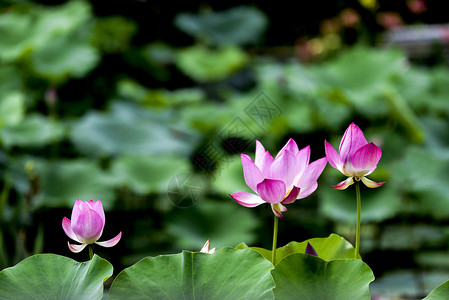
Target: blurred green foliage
{"type": "Point", "coordinates": [74, 123]}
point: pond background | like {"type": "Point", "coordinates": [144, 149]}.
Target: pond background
{"type": "Point", "coordinates": [147, 106]}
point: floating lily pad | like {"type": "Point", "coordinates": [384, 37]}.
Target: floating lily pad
{"type": "Point", "coordinates": [225, 27]}
{"type": "Point", "coordinates": [12, 109]}
{"type": "Point", "coordinates": [54, 277]}
{"type": "Point", "coordinates": [34, 131]}
{"type": "Point", "coordinates": [203, 64]}
{"type": "Point", "coordinates": [64, 181]}
{"type": "Point", "coordinates": [225, 224]}
{"type": "Point", "coordinates": [330, 248]}
{"type": "Point", "coordinates": [303, 276]}
{"type": "Point", "coordinates": [129, 129]}
{"type": "Point", "coordinates": [226, 274]}
{"type": "Point", "coordinates": [145, 174]}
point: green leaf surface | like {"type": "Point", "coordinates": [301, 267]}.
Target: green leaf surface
{"type": "Point", "coordinates": [55, 277]}
{"type": "Point", "coordinates": [145, 174]}
{"type": "Point", "coordinates": [34, 131]}
{"type": "Point", "coordinates": [129, 129]}
{"type": "Point", "coordinates": [331, 248]}
{"type": "Point", "coordinates": [439, 293]}
{"type": "Point", "coordinates": [64, 181]}
{"type": "Point", "coordinates": [224, 27]}
{"type": "Point", "coordinates": [226, 274]}
{"type": "Point", "coordinates": [303, 276]}
{"type": "Point", "coordinates": [203, 64]}
{"type": "Point", "coordinates": [224, 223]}
{"type": "Point", "coordinates": [423, 172]}
{"type": "Point", "coordinates": [12, 109]}
{"type": "Point", "coordinates": [377, 204]}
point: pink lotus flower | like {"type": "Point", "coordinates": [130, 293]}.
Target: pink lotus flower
{"type": "Point", "coordinates": [357, 158]}
{"type": "Point", "coordinates": [87, 225]}
{"type": "Point", "coordinates": [280, 180]}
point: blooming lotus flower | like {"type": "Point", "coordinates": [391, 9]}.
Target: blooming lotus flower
{"type": "Point", "coordinates": [87, 225]}
{"type": "Point", "coordinates": [356, 158]}
{"type": "Point", "coordinates": [280, 180]}
{"type": "Point", "coordinates": [207, 249]}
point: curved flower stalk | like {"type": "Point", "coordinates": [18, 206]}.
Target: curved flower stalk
{"type": "Point", "coordinates": [280, 180]}
{"type": "Point", "coordinates": [356, 158]}
{"type": "Point", "coordinates": [86, 225]}
{"type": "Point", "coordinates": [206, 248]}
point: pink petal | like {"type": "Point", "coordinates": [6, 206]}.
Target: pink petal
{"type": "Point", "coordinates": [308, 192]}
{"type": "Point", "coordinates": [271, 190]}
{"type": "Point", "coordinates": [265, 164]}
{"type": "Point", "coordinates": [206, 247]}
{"type": "Point", "coordinates": [260, 153]}
{"type": "Point", "coordinates": [302, 160]}
{"type": "Point", "coordinates": [371, 184]}
{"type": "Point", "coordinates": [67, 226]}
{"type": "Point", "coordinates": [284, 168]}
{"type": "Point", "coordinates": [365, 159]}
{"type": "Point", "coordinates": [291, 196]}
{"type": "Point", "coordinates": [76, 248]}
{"type": "Point", "coordinates": [311, 173]}
{"type": "Point", "coordinates": [278, 209]}
{"type": "Point", "coordinates": [89, 227]}
{"type": "Point", "coordinates": [98, 207]}
{"type": "Point", "coordinates": [112, 242]}
{"type": "Point", "coordinates": [247, 199]}
{"type": "Point", "coordinates": [352, 140]}
{"type": "Point", "coordinates": [251, 172]}
{"type": "Point", "coordinates": [344, 184]}
{"type": "Point", "coordinates": [78, 208]}
{"type": "Point", "coordinates": [333, 157]}
{"type": "Point", "coordinates": [290, 146]}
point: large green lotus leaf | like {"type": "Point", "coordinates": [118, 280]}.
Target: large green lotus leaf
{"type": "Point", "coordinates": [377, 204]}
{"type": "Point", "coordinates": [146, 174]}
{"type": "Point", "coordinates": [129, 129]}
{"type": "Point", "coordinates": [363, 74]}
{"type": "Point", "coordinates": [34, 131]}
{"type": "Point", "coordinates": [24, 33]}
{"type": "Point", "coordinates": [203, 64]}
{"type": "Point", "coordinates": [55, 277]}
{"type": "Point", "coordinates": [224, 223]}
{"type": "Point", "coordinates": [130, 89]}
{"type": "Point", "coordinates": [54, 21]}
{"type": "Point", "coordinates": [439, 293]}
{"type": "Point", "coordinates": [224, 27]}
{"type": "Point", "coordinates": [226, 274]}
{"type": "Point", "coordinates": [12, 109]}
{"type": "Point", "coordinates": [331, 248]}
{"type": "Point", "coordinates": [303, 276]}
{"type": "Point", "coordinates": [422, 174]}
{"type": "Point", "coordinates": [64, 181]}
{"type": "Point", "coordinates": [64, 57]}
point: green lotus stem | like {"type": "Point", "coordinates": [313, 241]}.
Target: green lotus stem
{"type": "Point", "coordinates": [357, 233]}
{"type": "Point", "coordinates": [275, 238]}
{"type": "Point", "coordinates": [91, 252]}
